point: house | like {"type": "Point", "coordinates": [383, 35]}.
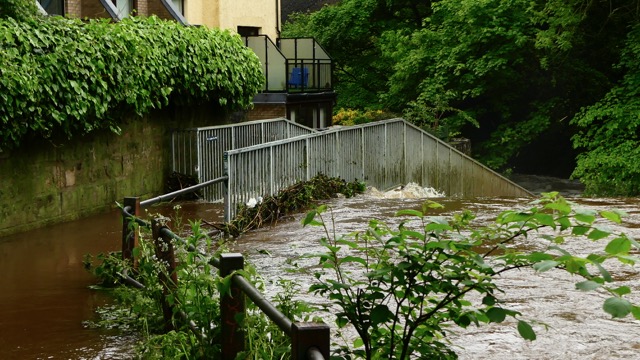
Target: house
{"type": "Point", "coordinates": [298, 72]}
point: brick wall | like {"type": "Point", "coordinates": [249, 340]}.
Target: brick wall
{"type": "Point", "coordinates": [73, 8]}
{"type": "Point", "coordinates": [141, 7]}
{"type": "Point", "coordinates": [155, 7]}
{"type": "Point", "coordinates": [93, 9]}
{"type": "Point", "coordinates": [267, 111]}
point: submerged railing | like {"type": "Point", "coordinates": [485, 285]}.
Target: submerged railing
{"type": "Point", "coordinates": [308, 340]}
{"type": "Point", "coordinates": [383, 154]}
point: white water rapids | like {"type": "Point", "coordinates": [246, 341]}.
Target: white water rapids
{"type": "Point", "coordinates": [570, 324]}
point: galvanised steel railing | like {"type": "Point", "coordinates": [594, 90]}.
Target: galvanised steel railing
{"type": "Point", "coordinates": [383, 154]}
{"type": "Point", "coordinates": [200, 151]}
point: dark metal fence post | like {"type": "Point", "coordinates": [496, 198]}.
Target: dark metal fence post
{"type": "Point", "coordinates": [231, 305]}
{"type": "Point", "coordinates": [129, 235]}
{"type": "Point", "coordinates": [169, 277]}
{"type": "Point", "coordinates": [309, 335]}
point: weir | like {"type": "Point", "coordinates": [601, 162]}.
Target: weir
{"type": "Point", "coordinates": [263, 157]}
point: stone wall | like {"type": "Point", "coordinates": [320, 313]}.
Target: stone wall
{"type": "Point", "coordinates": [45, 182]}
{"type": "Point", "coordinates": [93, 9]}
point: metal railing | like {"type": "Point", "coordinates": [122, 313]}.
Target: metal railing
{"type": "Point", "coordinates": [307, 75]}
{"type": "Point", "coordinates": [383, 154]}
{"type": "Point", "coordinates": [308, 340]}
{"type": "Point", "coordinates": [200, 151]}
{"type": "Point", "coordinates": [294, 65]}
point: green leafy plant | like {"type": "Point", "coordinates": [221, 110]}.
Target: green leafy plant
{"type": "Point", "coordinates": [20, 10]}
{"type": "Point", "coordinates": [507, 74]}
{"type": "Point", "coordinates": [64, 77]}
{"type": "Point", "coordinates": [401, 289]}
{"type": "Point", "coordinates": [608, 132]}
{"type": "Point", "coordinates": [194, 300]}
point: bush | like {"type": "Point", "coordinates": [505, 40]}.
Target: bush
{"type": "Point", "coordinates": [66, 77]}
{"type": "Point", "coordinates": [20, 10]}
{"type": "Point", "coordinates": [349, 117]}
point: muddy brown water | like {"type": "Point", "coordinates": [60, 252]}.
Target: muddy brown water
{"type": "Point", "coordinates": [44, 294]}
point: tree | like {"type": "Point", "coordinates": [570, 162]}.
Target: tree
{"type": "Point", "coordinates": [508, 74]}
{"type": "Point", "coordinates": [609, 131]}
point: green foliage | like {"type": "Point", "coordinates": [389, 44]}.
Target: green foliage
{"type": "Point", "coordinates": [195, 298]}
{"type": "Point", "coordinates": [350, 32]}
{"type": "Point", "coordinates": [348, 117]}
{"type": "Point", "coordinates": [20, 10]}
{"type": "Point", "coordinates": [65, 77]}
{"type": "Point", "coordinates": [609, 133]}
{"type": "Point", "coordinates": [401, 289]}
{"type": "Point", "coordinates": [140, 310]}
{"type": "Point", "coordinates": [505, 74]}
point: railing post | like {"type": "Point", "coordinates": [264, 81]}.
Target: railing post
{"type": "Point", "coordinates": [225, 189]}
{"type": "Point", "coordinates": [168, 278]}
{"type": "Point", "coordinates": [231, 305]}
{"type": "Point", "coordinates": [129, 235]}
{"type": "Point", "coordinates": [309, 335]}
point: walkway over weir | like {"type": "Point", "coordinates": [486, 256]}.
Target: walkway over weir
{"type": "Point", "coordinates": [264, 157]}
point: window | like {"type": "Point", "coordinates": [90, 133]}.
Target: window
{"type": "Point", "coordinates": [178, 5]}
{"type": "Point", "coordinates": [53, 7]}
{"type": "Point", "coordinates": [124, 7]}
{"type": "Point", "coordinates": [248, 31]}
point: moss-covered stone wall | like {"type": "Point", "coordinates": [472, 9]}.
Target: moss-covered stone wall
{"type": "Point", "coordinates": [45, 182]}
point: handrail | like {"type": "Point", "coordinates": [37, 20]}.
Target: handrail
{"type": "Point", "coordinates": [384, 154]}
{"type": "Point", "coordinates": [309, 340]}
{"type": "Point", "coordinates": [186, 190]}
{"type": "Point", "coordinates": [280, 319]}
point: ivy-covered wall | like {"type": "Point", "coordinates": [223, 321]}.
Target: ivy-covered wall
{"type": "Point", "coordinates": [86, 107]}
{"type": "Point", "coordinates": [46, 182]}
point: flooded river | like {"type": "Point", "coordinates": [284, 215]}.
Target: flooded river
{"type": "Point", "coordinates": [45, 295]}
{"type": "Point", "coordinates": [578, 328]}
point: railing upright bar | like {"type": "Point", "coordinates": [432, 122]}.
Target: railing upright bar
{"type": "Point", "coordinates": [231, 304]}
{"type": "Point", "coordinates": [129, 234]}
{"type": "Point", "coordinates": [227, 189]}
{"type": "Point", "coordinates": [307, 159]}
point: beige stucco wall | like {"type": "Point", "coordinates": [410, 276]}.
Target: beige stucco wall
{"type": "Point", "coordinates": [229, 14]}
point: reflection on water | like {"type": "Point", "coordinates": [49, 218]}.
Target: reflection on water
{"type": "Point", "coordinates": [45, 299]}
{"type": "Point", "coordinates": [44, 296]}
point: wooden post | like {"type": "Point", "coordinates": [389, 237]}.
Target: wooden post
{"type": "Point", "coordinates": [169, 277]}
{"type": "Point", "coordinates": [231, 305]}
{"type": "Point", "coordinates": [129, 234]}
{"type": "Point", "coordinates": [307, 335]}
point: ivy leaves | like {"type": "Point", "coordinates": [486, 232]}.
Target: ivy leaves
{"type": "Point", "coordinates": [66, 77]}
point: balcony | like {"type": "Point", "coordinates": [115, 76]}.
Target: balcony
{"type": "Point", "coordinates": [298, 65]}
